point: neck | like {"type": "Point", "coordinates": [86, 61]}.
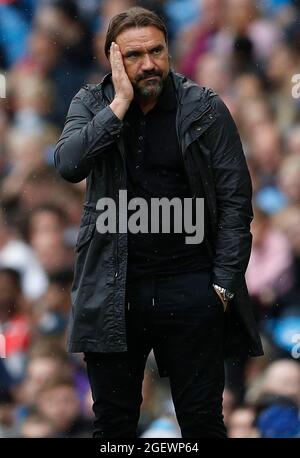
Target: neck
{"type": "Point", "coordinates": [146, 104]}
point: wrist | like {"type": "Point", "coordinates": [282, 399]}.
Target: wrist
{"type": "Point", "coordinates": [120, 106]}
{"type": "Point", "coordinates": [122, 100]}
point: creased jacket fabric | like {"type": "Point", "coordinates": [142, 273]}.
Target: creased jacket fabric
{"type": "Point", "coordinates": [91, 146]}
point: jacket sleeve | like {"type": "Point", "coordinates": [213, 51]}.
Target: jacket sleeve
{"type": "Point", "coordinates": [233, 190]}
{"type": "Point", "coordinates": [84, 138]}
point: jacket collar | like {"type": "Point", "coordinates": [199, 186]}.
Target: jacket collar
{"type": "Point", "coordinates": [193, 101]}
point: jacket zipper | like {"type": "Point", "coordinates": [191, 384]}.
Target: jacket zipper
{"type": "Point", "coordinates": [116, 250]}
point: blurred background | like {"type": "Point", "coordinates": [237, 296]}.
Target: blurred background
{"type": "Point", "coordinates": [248, 52]}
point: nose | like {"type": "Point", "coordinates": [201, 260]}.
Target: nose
{"type": "Point", "coordinates": [147, 63]}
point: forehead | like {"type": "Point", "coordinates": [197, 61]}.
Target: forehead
{"type": "Point", "coordinates": [139, 37]}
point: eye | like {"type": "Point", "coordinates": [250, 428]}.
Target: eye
{"type": "Point", "coordinates": [157, 51]}
{"type": "Point", "coordinates": [132, 55]}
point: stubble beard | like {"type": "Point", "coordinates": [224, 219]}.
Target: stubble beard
{"type": "Point", "coordinates": [150, 88]}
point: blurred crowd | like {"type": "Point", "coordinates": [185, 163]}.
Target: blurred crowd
{"type": "Point", "coordinates": [248, 52]}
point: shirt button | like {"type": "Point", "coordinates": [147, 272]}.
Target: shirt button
{"type": "Point", "coordinates": [143, 123]}
{"type": "Point", "coordinates": [141, 138]}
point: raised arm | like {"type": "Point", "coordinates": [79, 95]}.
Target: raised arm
{"type": "Point", "coordinates": [86, 137]}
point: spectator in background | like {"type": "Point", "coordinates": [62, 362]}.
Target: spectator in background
{"type": "Point", "coordinates": [277, 399]}
{"type": "Point", "coordinates": [45, 58]}
{"type": "Point", "coordinates": [253, 111]}
{"type": "Point", "coordinates": [289, 178]}
{"type": "Point", "coordinates": [25, 153]}
{"type": "Point", "coordinates": [288, 222]}
{"type": "Point", "coordinates": [280, 420]}
{"type": "Point", "coordinates": [282, 64]}
{"type": "Point", "coordinates": [46, 233]}
{"type": "Point", "coordinates": [282, 379]}
{"type": "Point", "coordinates": [46, 360]}
{"type": "Point", "coordinates": [191, 43]}
{"type": "Point", "coordinates": [14, 323]}
{"type": "Point", "coordinates": [58, 401]}
{"type": "Point", "coordinates": [276, 6]}
{"type": "Point", "coordinates": [33, 103]}
{"type": "Point", "coordinates": [279, 381]}
{"type": "Point", "coordinates": [37, 426]}
{"type": "Point", "coordinates": [269, 273]}
{"type": "Point", "coordinates": [266, 151]}
{"type": "Point", "coordinates": [52, 310]}
{"type": "Point", "coordinates": [18, 255]}
{"type": "Point", "coordinates": [8, 427]}
{"type": "Point", "coordinates": [42, 187]}
{"type": "Point", "coordinates": [61, 19]}
{"type": "Point", "coordinates": [13, 31]}
{"type": "Point", "coordinates": [293, 139]}
{"type": "Point", "coordinates": [214, 72]}
{"type": "Point", "coordinates": [245, 37]}
{"type": "Point", "coordinates": [165, 425]}
{"type": "Point", "coordinates": [242, 423]}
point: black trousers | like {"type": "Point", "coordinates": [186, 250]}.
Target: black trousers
{"type": "Point", "coordinates": [181, 318]}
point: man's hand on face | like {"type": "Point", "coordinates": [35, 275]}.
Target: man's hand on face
{"type": "Point", "coordinates": [123, 88]}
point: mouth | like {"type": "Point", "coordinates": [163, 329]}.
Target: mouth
{"type": "Point", "coordinates": [149, 78]}
{"type": "Point", "coordinates": [152, 78]}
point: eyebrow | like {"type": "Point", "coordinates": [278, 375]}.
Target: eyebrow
{"type": "Point", "coordinates": [132, 52]}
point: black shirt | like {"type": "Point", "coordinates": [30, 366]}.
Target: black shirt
{"type": "Point", "coordinates": [155, 168]}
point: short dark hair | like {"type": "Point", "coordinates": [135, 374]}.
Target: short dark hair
{"type": "Point", "coordinates": [133, 17]}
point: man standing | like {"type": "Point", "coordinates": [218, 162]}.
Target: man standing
{"type": "Point", "coordinates": [152, 132]}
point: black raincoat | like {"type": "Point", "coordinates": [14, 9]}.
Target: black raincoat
{"type": "Point", "coordinates": [91, 146]}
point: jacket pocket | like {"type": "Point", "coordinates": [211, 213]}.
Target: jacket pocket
{"type": "Point", "coordinates": [87, 228]}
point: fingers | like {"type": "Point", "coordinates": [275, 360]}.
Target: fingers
{"type": "Point", "coordinates": [121, 82]}
{"type": "Point", "coordinates": [116, 60]}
